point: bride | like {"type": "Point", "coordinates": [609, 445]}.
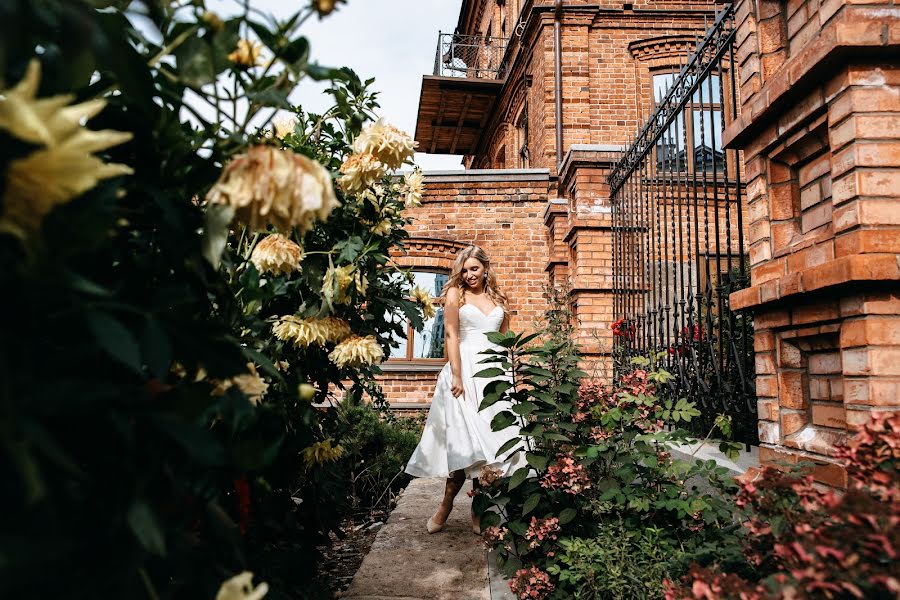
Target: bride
{"type": "Point", "coordinates": [458, 442]}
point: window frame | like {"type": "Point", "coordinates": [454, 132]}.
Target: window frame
{"type": "Point", "coordinates": [691, 109]}
{"type": "Point", "coordinates": [409, 362]}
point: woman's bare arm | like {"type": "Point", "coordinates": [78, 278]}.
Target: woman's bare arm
{"type": "Point", "coordinates": [504, 326]}
{"type": "Point", "coordinates": [451, 339]}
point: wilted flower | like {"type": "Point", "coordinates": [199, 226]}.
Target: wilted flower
{"type": "Point", "coordinates": [276, 254]}
{"type": "Point", "coordinates": [360, 172]}
{"type": "Point", "coordinates": [213, 21]}
{"type": "Point", "coordinates": [240, 587]}
{"type": "Point", "coordinates": [322, 452]}
{"type": "Point", "coordinates": [278, 187]}
{"type": "Point", "coordinates": [413, 188]}
{"type": "Point", "coordinates": [65, 167]}
{"type": "Point", "coordinates": [306, 332]}
{"type": "Point", "coordinates": [246, 54]}
{"type": "Point", "coordinates": [386, 143]}
{"type": "Point", "coordinates": [284, 127]}
{"type": "Point", "coordinates": [489, 475]}
{"type": "Point", "coordinates": [324, 7]}
{"type": "Point", "coordinates": [251, 384]}
{"type": "Point", "coordinates": [424, 298]}
{"type": "Point", "coordinates": [357, 351]}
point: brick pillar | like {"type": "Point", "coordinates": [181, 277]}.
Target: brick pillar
{"type": "Point", "coordinates": [820, 130]}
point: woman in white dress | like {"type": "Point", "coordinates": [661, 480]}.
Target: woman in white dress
{"type": "Point", "coordinates": [458, 441]}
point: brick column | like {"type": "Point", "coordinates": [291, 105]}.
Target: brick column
{"type": "Point", "coordinates": [820, 131]}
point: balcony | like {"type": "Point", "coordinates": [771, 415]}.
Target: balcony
{"type": "Point", "coordinates": [456, 101]}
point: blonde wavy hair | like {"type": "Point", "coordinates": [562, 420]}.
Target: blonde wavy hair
{"type": "Point", "coordinates": [490, 281]}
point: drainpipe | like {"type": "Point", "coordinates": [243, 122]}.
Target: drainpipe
{"type": "Point", "coordinates": [557, 72]}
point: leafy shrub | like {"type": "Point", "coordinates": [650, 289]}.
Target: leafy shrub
{"type": "Point", "coordinates": [599, 462]}
{"type": "Point", "coordinates": [808, 542]}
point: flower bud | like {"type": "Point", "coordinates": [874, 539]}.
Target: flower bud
{"type": "Point", "coordinates": [306, 391]}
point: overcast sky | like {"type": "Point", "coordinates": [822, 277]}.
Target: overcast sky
{"type": "Point", "coordinates": [393, 41]}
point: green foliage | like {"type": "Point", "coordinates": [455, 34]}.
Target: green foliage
{"type": "Point", "coordinates": [600, 462]}
{"type": "Point", "coordinates": [134, 464]}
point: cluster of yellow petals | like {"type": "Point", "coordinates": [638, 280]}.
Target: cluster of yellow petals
{"type": "Point", "coordinates": [360, 172]}
{"type": "Point", "coordinates": [246, 54]}
{"type": "Point", "coordinates": [277, 255]}
{"type": "Point", "coordinates": [271, 186]}
{"type": "Point", "coordinates": [65, 166]}
{"type": "Point", "coordinates": [337, 280]}
{"type": "Point", "coordinates": [413, 188]}
{"type": "Point", "coordinates": [424, 298]}
{"type": "Point", "coordinates": [322, 452]}
{"type": "Point", "coordinates": [386, 144]}
{"type": "Point", "coordinates": [357, 351]}
{"type": "Point", "coordinates": [306, 332]}
{"type": "Point", "coordinates": [240, 587]}
{"type": "Point", "coordinates": [284, 127]}
{"type": "Point", "coordinates": [251, 384]}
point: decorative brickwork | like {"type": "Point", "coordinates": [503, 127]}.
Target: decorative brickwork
{"type": "Point", "coordinates": [820, 131]}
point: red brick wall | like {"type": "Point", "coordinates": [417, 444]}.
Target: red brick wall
{"type": "Point", "coordinates": [820, 129]}
{"type": "Point", "coordinates": [501, 211]}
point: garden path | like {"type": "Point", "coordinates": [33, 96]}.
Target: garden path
{"type": "Point", "coordinates": [406, 563]}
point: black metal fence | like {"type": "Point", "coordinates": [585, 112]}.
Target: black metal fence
{"type": "Point", "coordinates": [679, 248]}
{"type": "Point", "coordinates": [470, 56]}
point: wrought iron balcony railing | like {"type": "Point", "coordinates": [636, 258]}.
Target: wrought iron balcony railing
{"type": "Point", "coordinates": [470, 56]}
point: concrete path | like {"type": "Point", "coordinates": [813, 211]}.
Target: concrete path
{"type": "Point", "coordinates": [406, 563]}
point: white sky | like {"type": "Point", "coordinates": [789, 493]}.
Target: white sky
{"type": "Point", "coordinates": [393, 41]}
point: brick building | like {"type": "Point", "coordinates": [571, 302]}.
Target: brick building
{"type": "Point", "coordinates": [541, 97]}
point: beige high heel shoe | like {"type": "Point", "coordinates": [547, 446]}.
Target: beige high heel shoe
{"type": "Point", "coordinates": [434, 527]}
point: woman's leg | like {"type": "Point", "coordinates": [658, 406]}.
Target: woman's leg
{"type": "Point", "coordinates": [476, 521]}
{"type": "Point", "coordinates": [451, 489]}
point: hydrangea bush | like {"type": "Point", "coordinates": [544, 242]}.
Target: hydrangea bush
{"type": "Point", "coordinates": [600, 461]}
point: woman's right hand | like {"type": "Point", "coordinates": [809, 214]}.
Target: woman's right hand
{"type": "Point", "coordinates": [456, 387]}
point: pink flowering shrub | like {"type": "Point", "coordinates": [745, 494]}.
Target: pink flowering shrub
{"type": "Point", "coordinates": [597, 455]}
{"type": "Point", "coordinates": [808, 542]}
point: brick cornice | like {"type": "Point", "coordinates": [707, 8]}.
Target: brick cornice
{"type": "Point", "coordinates": [855, 269]}
{"type": "Point", "coordinates": [854, 32]}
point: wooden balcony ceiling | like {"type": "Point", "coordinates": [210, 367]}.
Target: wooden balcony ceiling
{"type": "Point", "coordinates": [453, 112]}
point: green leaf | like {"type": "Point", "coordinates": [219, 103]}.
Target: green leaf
{"type": "Point", "coordinates": [491, 372]}
{"type": "Point", "coordinates": [567, 515]}
{"type": "Point", "coordinates": [145, 527]}
{"type": "Point", "coordinates": [524, 408]}
{"type": "Point", "coordinates": [115, 339]}
{"type": "Point", "coordinates": [531, 503]}
{"type": "Point", "coordinates": [517, 478]}
{"type": "Point", "coordinates": [538, 461]}
{"type": "Point", "coordinates": [509, 445]}
{"type": "Point", "coordinates": [502, 420]}
{"type": "Point", "coordinates": [156, 348]}
{"type": "Point", "coordinates": [194, 62]}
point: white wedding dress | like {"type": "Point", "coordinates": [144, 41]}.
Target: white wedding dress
{"type": "Point", "coordinates": [457, 435]}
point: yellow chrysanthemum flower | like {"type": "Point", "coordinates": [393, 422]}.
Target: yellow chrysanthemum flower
{"type": "Point", "coordinates": [277, 254]}
{"type": "Point", "coordinates": [322, 452]}
{"type": "Point", "coordinates": [337, 329]}
{"type": "Point", "coordinates": [386, 143]}
{"type": "Point", "coordinates": [383, 227]}
{"type": "Point", "coordinates": [413, 188]}
{"type": "Point", "coordinates": [240, 587]}
{"type": "Point", "coordinates": [251, 384]}
{"type": "Point", "coordinates": [246, 54]}
{"type": "Point", "coordinates": [65, 167]}
{"type": "Point", "coordinates": [357, 351]}
{"type": "Point", "coordinates": [360, 172]}
{"type": "Point", "coordinates": [270, 186]}
{"type": "Point", "coordinates": [424, 298]}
